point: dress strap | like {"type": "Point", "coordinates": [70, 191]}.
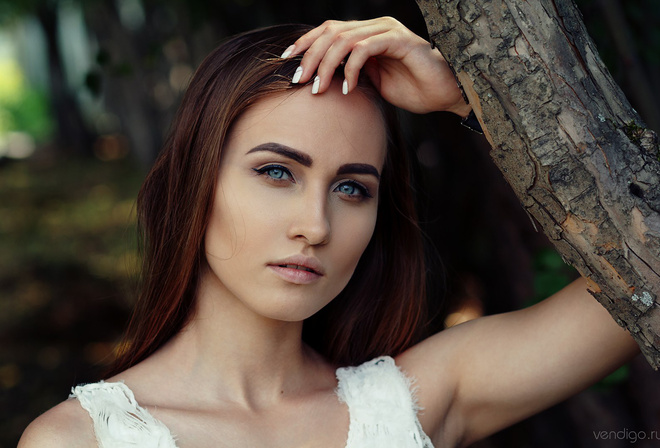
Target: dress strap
{"type": "Point", "coordinates": [119, 421]}
{"type": "Point", "coordinates": [382, 406]}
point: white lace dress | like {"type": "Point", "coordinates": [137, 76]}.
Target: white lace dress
{"type": "Point", "coordinates": [379, 397]}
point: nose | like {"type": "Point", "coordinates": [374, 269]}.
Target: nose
{"type": "Point", "coordinates": [311, 223]}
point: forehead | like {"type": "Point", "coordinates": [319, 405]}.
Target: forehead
{"type": "Point", "coordinates": [328, 125]}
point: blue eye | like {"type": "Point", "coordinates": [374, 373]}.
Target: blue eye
{"type": "Point", "coordinates": [347, 189]}
{"type": "Point", "coordinates": [353, 189]}
{"type": "Point", "coordinates": [275, 172]}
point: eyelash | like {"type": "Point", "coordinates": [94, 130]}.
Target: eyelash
{"type": "Point", "coordinates": [267, 168]}
{"type": "Point", "coordinates": [363, 191]}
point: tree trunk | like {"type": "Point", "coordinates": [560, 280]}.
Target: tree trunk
{"type": "Point", "coordinates": [576, 154]}
{"type": "Point", "coordinates": [72, 133]}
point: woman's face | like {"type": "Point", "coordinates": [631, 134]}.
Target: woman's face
{"type": "Point", "coordinates": [296, 201]}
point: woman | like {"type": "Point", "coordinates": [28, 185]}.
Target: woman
{"type": "Point", "coordinates": [282, 197]}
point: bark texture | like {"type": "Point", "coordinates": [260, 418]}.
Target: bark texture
{"type": "Point", "coordinates": [575, 152]}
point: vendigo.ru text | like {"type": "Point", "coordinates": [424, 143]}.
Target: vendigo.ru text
{"type": "Point", "coordinates": [626, 434]}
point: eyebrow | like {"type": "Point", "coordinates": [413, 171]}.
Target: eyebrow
{"type": "Point", "coordinates": [306, 160]}
{"type": "Point", "coordinates": [285, 151]}
{"type": "Point", "coordinates": [358, 168]}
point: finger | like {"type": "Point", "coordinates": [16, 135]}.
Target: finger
{"type": "Point", "coordinates": [372, 70]}
{"type": "Point", "coordinates": [363, 50]}
{"type": "Point", "coordinates": [304, 41]}
{"type": "Point", "coordinates": [340, 34]}
{"type": "Point", "coordinates": [341, 46]}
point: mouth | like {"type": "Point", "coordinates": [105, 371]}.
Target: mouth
{"type": "Point", "coordinates": [296, 266]}
{"type": "Point", "coordinates": [298, 269]}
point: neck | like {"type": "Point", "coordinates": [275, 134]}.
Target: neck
{"type": "Point", "coordinates": [237, 355]}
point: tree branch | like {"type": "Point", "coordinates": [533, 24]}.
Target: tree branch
{"type": "Point", "coordinates": [568, 142]}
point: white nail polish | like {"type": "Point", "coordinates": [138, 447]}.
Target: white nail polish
{"type": "Point", "coordinates": [315, 86]}
{"type": "Point", "coordinates": [344, 87]}
{"type": "Point", "coordinates": [288, 52]}
{"type": "Point", "coordinates": [297, 75]}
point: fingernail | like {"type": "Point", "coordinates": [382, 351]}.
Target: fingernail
{"type": "Point", "coordinates": [297, 75]}
{"type": "Point", "coordinates": [344, 87]}
{"type": "Point", "coordinates": [315, 86]}
{"type": "Point", "coordinates": [288, 52]}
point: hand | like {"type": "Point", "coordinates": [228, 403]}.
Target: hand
{"type": "Point", "coordinates": [404, 68]}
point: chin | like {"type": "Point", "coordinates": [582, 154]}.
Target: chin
{"type": "Point", "coordinates": [288, 310]}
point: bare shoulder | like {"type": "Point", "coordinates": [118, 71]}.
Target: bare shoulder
{"type": "Point", "coordinates": [65, 425]}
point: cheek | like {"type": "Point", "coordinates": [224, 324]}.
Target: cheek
{"type": "Point", "coordinates": [226, 234]}
{"type": "Point", "coordinates": [352, 239]}
{"type": "Point", "coordinates": [222, 234]}
{"type": "Point", "coordinates": [240, 224]}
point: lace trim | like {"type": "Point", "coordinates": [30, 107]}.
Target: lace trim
{"type": "Point", "coordinates": [382, 405]}
{"type": "Point", "coordinates": [381, 400]}
{"type": "Point", "coordinates": [119, 421]}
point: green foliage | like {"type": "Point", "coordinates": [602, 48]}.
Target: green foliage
{"type": "Point", "coordinates": [550, 274]}
{"type": "Point", "coordinates": [22, 109]}
{"type": "Point", "coordinates": [29, 114]}
{"type": "Point", "coordinates": [615, 378]}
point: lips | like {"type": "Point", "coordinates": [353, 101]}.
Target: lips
{"type": "Point", "coordinates": [298, 269]}
{"type": "Point", "coordinates": [300, 262]}
{"type": "Point", "coordinates": [295, 266]}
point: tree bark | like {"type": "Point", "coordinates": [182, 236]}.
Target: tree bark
{"type": "Point", "coordinates": [577, 155]}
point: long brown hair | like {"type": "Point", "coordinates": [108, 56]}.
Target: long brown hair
{"type": "Point", "coordinates": [381, 310]}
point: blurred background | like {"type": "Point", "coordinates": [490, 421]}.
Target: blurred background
{"type": "Point", "coordinates": [87, 91]}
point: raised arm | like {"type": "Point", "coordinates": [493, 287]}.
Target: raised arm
{"type": "Point", "coordinates": [481, 376]}
{"type": "Point", "coordinates": [506, 367]}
